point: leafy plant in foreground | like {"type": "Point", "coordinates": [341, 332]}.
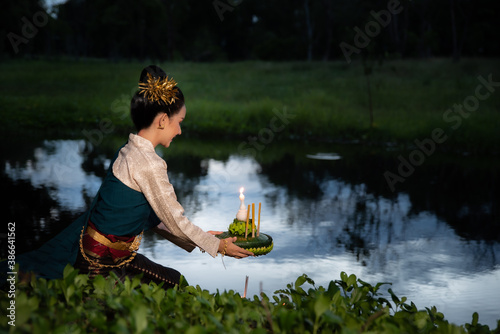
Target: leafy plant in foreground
{"type": "Point", "coordinates": [77, 304]}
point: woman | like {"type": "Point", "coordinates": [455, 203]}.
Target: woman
{"type": "Point", "coordinates": [135, 196]}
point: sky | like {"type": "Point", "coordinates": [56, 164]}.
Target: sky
{"type": "Point", "coordinates": [50, 3]}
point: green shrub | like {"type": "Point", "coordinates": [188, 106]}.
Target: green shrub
{"type": "Point", "coordinates": [77, 304]}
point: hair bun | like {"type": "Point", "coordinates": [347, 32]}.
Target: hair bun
{"type": "Point", "coordinates": [155, 85]}
{"type": "Point", "coordinates": [154, 71]}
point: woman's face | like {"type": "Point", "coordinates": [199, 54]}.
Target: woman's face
{"type": "Point", "coordinates": [173, 127]}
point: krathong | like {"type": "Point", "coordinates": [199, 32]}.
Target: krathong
{"type": "Point", "coordinates": [247, 231]}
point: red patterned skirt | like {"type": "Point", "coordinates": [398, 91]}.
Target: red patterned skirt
{"type": "Point", "coordinates": [101, 254]}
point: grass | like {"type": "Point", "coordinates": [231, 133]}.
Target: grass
{"type": "Point", "coordinates": [328, 101]}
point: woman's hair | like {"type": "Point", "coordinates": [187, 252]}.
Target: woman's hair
{"type": "Point", "coordinates": [144, 110]}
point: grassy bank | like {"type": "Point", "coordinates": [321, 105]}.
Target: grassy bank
{"type": "Point", "coordinates": [323, 101]}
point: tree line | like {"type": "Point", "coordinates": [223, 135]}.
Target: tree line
{"type": "Point", "coordinates": [232, 30]}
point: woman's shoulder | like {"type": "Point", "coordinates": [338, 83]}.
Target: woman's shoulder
{"type": "Point", "coordinates": [136, 163]}
{"type": "Point", "coordinates": [140, 153]}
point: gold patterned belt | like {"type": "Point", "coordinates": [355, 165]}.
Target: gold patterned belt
{"type": "Point", "coordinates": [118, 245]}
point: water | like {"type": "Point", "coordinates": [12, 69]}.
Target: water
{"type": "Point", "coordinates": [328, 208]}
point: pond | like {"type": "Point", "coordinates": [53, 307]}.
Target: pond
{"type": "Point", "coordinates": [329, 208]}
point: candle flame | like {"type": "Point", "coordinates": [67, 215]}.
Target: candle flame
{"type": "Point", "coordinates": [241, 190]}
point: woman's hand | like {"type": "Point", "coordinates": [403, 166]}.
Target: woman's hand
{"type": "Point", "coordinates": [227, 247]}
{"type": "Point", "coordinates": [215, 232]}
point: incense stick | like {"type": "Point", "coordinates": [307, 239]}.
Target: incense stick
{"type": "Point", "coordinates": [258, 226]}
{"type": "Point", "coordinates": [253, 220]}
{"type": "Point", "coordinates": [246, 226]}
{"type": "Point", "coordinates": [246, 286]}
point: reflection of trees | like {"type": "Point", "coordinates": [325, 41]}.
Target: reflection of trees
{"type": "Point", "coordinates": [384, 235]}
{"type": "Point", "coordinates": [350, 207]}
{"type": "Point", "coordinates": [26, 206]}
{"type": "Point", "coordinates": [463, 196]}
{"type": "Point", "coordinates": [300, 182]}
{"type": "Point", "coordinates": [37, 215]}
{"type": "Point", "coordinates": [467, 198]}
{"type": "Point", "coordinates": [346, 202]}
{"type": "Point", "coordinates": [184, 173]}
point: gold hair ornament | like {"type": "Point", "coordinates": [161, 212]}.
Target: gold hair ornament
{"type": "Point", "coordinates": [159, 89]}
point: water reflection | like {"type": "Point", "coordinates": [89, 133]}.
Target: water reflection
{"type": "Point", "coordinates": [57, 166]}
{"type": "Point", "coordinates": [436, 241]}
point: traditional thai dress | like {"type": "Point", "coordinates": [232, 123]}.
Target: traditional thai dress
{"type": "Point", "coordinates": [135, 196]}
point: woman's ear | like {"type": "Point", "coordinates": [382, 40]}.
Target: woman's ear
{"type": "Point", "coordinates": [162, 120]}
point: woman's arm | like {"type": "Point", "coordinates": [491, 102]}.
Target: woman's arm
{"type": "Point", "coordinates": [153, 181]}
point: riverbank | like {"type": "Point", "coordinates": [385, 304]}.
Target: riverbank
{"type": "Point", "coordinates": [454, 105]}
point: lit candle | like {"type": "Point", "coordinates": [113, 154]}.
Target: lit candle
{"type": "Point", "coordinates": [242, 212]}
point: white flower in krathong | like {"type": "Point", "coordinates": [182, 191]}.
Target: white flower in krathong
{"type": "Point", "coordinates": [159, 89]}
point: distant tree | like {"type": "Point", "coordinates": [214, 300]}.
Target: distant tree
{"type": "Point", "coordinates": [244, 29]}
{"type": "Point", "coordinates": [23, 27]}
{"type": "Point", "coordinates": [328, 28]}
